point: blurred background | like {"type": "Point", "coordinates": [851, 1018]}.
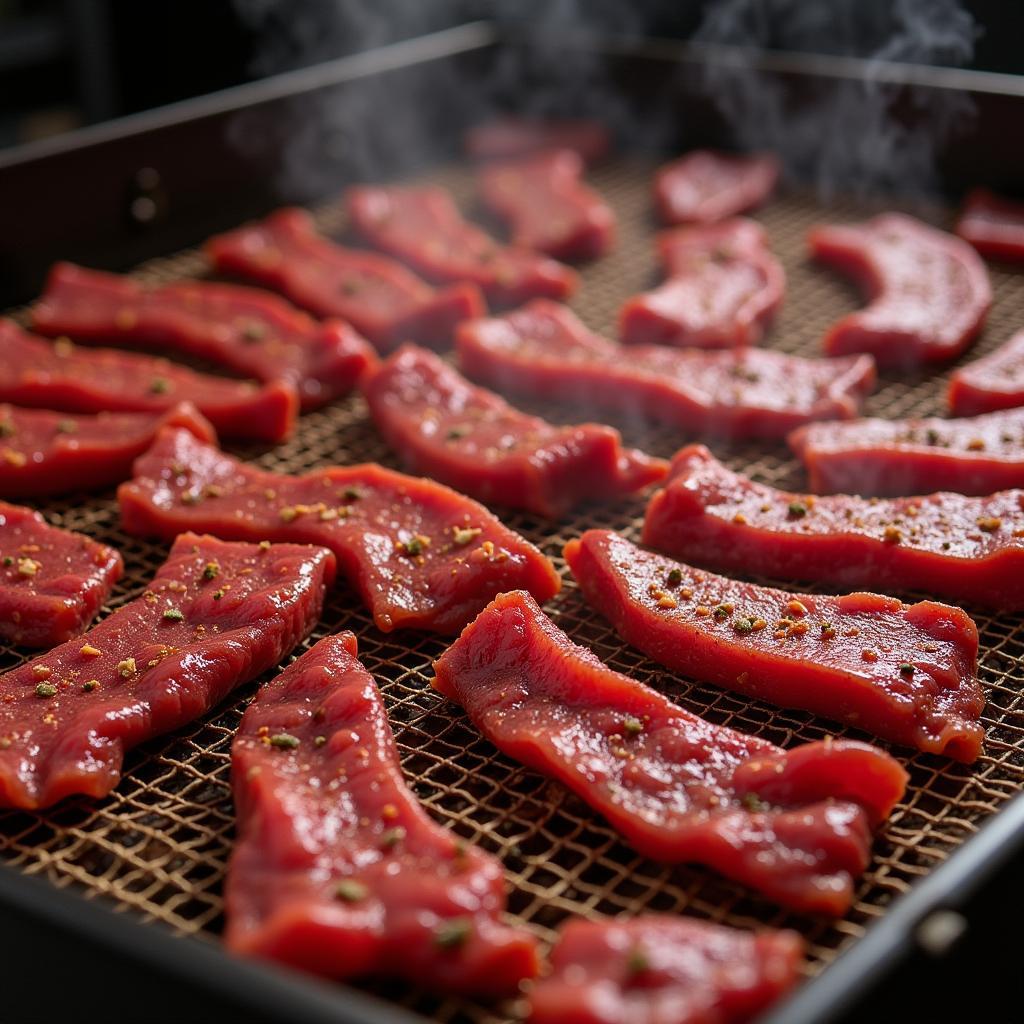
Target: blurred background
{"type": "Point", "coordinates": [68, 63]}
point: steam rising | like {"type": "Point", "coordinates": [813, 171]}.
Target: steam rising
{"type": "Point", "coordinates": [856, 135]}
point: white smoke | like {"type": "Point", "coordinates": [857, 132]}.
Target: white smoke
{"type": "Point", "coordinates": [855, 135]}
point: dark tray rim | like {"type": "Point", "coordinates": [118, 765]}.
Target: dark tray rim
{"type": "Point", "coordinates": [281, 994]}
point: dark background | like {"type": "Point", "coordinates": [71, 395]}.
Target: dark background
{"type": "Point", "coordinates": [65, 63]}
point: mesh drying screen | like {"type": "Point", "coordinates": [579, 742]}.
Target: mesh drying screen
{"type": "Point", "coordinates": [158, 845]}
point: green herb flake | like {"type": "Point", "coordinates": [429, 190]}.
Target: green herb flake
{"type": "Point", "coordinates": [319, 741]}
{"type": "Point", "coordinates": [211, 571]}
{"type": "Point", "coordinates": [675, 577]}
{"type": "Point", "coordinates": [743, 625]}
{"type": "Point", "coordinates": [453, 933]}
{"type": "Point", "coordinates": [351, 494]}
{"type": "Point", "coordinates": [159, 386]}
{"type": "Point", "coordinates": [284, 740]}
{"type": "Point", "coordinates": [391, 837]}
{"type": "Point", "coordinates": [456, 432]}
{"type": "Point", "coordinates": [46, 690]}
{"type": "Point", "coordinates": [217, 594]}
{"type": "Point", "coordinates": [173, 614]}
{"type": "Point", "coordinates": [797, 510]}
{"type": "Point", "coordinates": [753, 802]}
{"type": "Point", "coordinates": [632, 726]}
{"type": "Point", "coordinates": [8, 561]}
{"type": "Point", "coordinates": [89, 685]}
{"type": "Point", "coordinates": [254, 331]}
{"type": "Point", "coordinates": [906, 669]}
{"type": "Point", "coordinates": [722, 612]}
{"type": "Point", "coordinates": [637, 962]}
{"type": "Point", "coordinates": [350, 891]}
{"type": "Point", "coordinates": [463, 535]}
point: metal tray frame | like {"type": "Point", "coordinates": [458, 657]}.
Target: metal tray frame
{"type": "Point", "coordinates": [198, 194]}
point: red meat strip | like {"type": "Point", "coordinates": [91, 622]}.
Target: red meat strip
{"type": "Point", "coordinates": [963, 548]}
{"type": "Point", "coordinates": [794, 824]}
{"type": "Point", "coordinates": [907, 673]}
{"type": "Point", "coordinates": [420, 556]}
{"type": "Point", "coordinates": [973, 455]}
{"type": "Point", "coordinates": [929, 292]}
{"type": "Point", "coordinates": [59, 375]}
{"type": "Point", "coordinates": [544, 351]}
{"type": "Point", "coordinates": [424, 227]}
{"type": "Point", "coordinates": [215, 616]}
{"type": "Point", "coordinates": [476, 442]}
{"type": "Point", "coordinates": [704, 186]}
{"type": "Point", "coordinates": [338, 870]}
{"type": "Point", "coordinates": [44, 453]}
{"type": "Point", "coordinates": [548, 207]}
{"type": "Point", "coordinates": [993, 225]}
{"type": "Point", "coordinates": [244, 330]}
{"type": "Point", "coordinates": [723, 288]}
{"type": "Point", "coordinates": [993, 382]}
{"type": "Point", "coordinates": [52, 581]}
{"type": "Point", "coordinates": [662, 969]}
{"type": "Point", "coordinates": [510, 137]}
{"type": "Point", "coordinates": [383, 300]}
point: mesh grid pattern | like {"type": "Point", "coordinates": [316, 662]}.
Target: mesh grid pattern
{"type": "Point", "coordinates": [159, 844]}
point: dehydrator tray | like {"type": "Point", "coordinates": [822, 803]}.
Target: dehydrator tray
{"type": "Point", "coordinates": [159, 845]}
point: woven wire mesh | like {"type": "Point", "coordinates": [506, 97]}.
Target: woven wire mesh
{"type": "Point", "coordinates": [159, 844]}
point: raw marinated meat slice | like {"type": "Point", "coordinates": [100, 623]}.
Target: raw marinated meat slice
{"type": "Point", "coordinates": [962, 548]}
{"type": "Point", "coordinates": [973, 455]}
{"type": "Point", "coordinates": [506, 138]}
{"type": "Point", "coordinates": [906, 673]}
{"type": "Point", "coordinates": [419, 555]}
{"type": "Point", "coordinates": [544, 351]}
{"type": "Point", "coordinates": [929, 292]}
{"type": "Point", "coordinates": [723, 287]}
{"type": "Point", "coordinates": [338, 870]}
{"type": "Point", "coordinates": [44, 453]}
{"type": "Point", "coordinates": [52, 581]}
{"type": "Point", "coordinates": [662, 969]}
{"type": "Point", "coordinates": [215, 616]}
{"type": "Point", "coordinates": [548, 207]}
{"type": "Point", "coordinates": [993, 382]}
{"type": "Point", "coordinates": [794, 824]}
{"type": "Point", "coordinates": [474, 441]}
{"type": "Point", "coordinates": [704, 186]}
{"type": "Point", "coordinates": [62, 376]}
{"type": "Point", "coordinates": [424, 227]}
{"type": "Point", "coordinates": [383, 300]}
{"type": "Point", "coordinates": [244, 330]}
{"type": "Point", "coordinates": [993, 225]}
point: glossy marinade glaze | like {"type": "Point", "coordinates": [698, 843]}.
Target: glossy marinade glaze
{"type": "Point", "coordinates": [906, 673]}
{"type": "Point", "coordinates": [338, 869]}
{"type": "Point", "coordinates": [214, 616]}
{"type": "Point", "coordinates": [421, 556]}
{"type": "Point", "coordinates": [974, 455]}
{"type": "Point", "coordinates": [663, 969]}
{"type": "Point", "coordinates": [795, 825]}
{"type": "Point", "coordinates": [382, 299]}
{"type": "Point", "coordinates": [543, 350]}
{"type": "Point", "coordinates": [723, 287]}
{"type": "Point", "coordinates": [45, 453]}
{"type": "Point", "coordinates": [473, 440]}
{"type": "Point", "coordinates": [957, 547]}
{"type": "Point", "coordinates": [245, 330]}
{"type": "Point", "coordinates": [52, 581]}
{"type": "Point", "coordinates": [62, 376]}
